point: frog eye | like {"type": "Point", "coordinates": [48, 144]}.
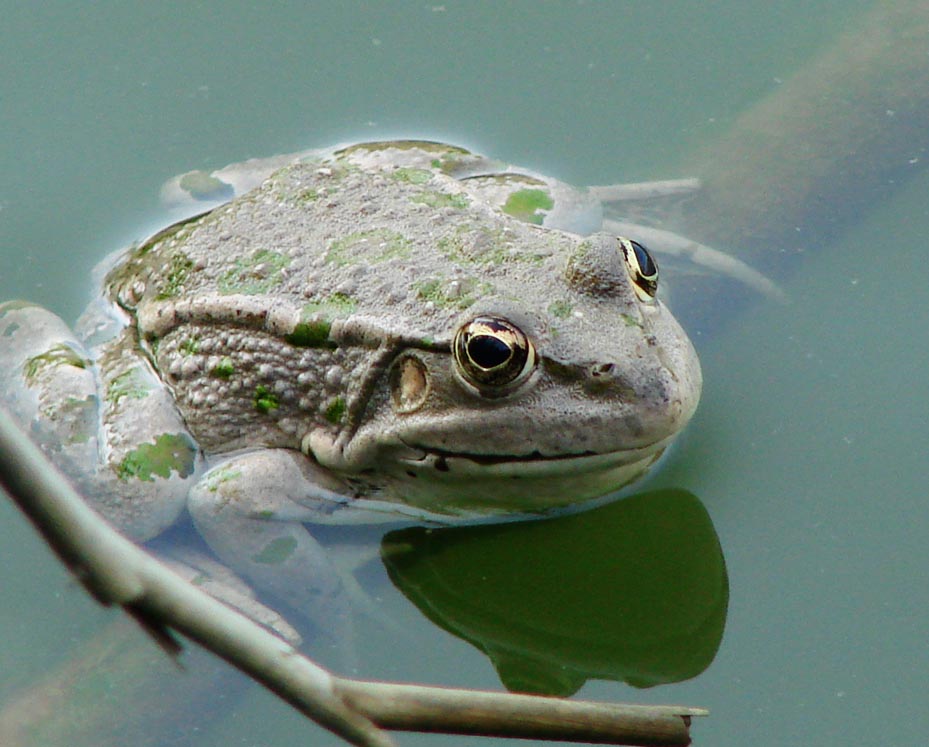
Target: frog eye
{"type": "Point", "coordinates": [642, 269]}
{"type": "Point", "coordinates": [493, 355]}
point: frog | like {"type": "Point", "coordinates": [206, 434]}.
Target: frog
{"type": "Point", "coordinates": [369, 332]}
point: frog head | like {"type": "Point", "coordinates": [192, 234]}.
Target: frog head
{"type": "Point", "coordinates": [566, 387]}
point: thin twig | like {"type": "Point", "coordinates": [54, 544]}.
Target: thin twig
{"type": "Point", "coordinates": [116, 571]}
{"type": "Point", "coordinates": [447, 710]}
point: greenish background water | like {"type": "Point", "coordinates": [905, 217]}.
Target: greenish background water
{"type": "Point", "coordinates": [809, 450]}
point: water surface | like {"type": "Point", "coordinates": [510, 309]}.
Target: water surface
{"type": "Point", "coordinates": [808, 453]}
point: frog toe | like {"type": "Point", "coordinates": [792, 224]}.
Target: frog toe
{"type": "Point", "coordinates": [46, 376]}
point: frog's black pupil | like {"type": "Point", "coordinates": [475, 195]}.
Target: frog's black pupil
{"type": "Point", "coordinates": [488, 351]}
{"type": "Point", "coordinates": [646, 263]}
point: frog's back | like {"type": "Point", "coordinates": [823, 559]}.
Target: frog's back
{"type": "Point", "coordinates": [271, 286]}
{"type": "Point", "coordinates": [405, 244]}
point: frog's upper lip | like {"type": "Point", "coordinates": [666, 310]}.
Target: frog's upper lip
{"type": "Point", "coordinates": [488, 459]}
{"type": "Point", "coordinates": [467, 484]}
{"type": "Point", "coordinates": [534, 462]}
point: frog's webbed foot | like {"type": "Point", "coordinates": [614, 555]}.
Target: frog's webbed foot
{"type": "Point", "coordinates": [351, 559]}
{"type": "Point", "coordinates": [251, 511]}
{"type": "Point", "coordinates": [701, 256]}
{"type": "Point", "coordinates": [633, 210]}
{"type": "Point", "coordinates": [196, 191]}
{"type": "Point", "coordinates": [217, 580]}
{"type": "Point", "coordinates": [639, 191]}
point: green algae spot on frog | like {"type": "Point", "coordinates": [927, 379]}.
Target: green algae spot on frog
{"type": "Point", "coordinates": [385, 328]}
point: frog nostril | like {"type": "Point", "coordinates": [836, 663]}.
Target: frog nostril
{"type": "Point", "coordinates": [602, 370]}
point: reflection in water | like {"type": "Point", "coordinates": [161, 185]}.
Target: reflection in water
{"type": "Point", "coordinates": [635, 591]}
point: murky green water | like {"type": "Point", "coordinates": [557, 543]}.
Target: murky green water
{"type": "Point", "coordinates": [808, 454]}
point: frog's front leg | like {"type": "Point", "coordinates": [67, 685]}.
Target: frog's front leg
{"type": "Point", "coordinates": [103, 417]}
{"type": "Point", "coordinates": [250, 510]}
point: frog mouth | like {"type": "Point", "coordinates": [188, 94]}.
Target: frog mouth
{"type": "Point", "coordinates": [470, 485]}
{"type": "Point", "coordinates": [535, 464]}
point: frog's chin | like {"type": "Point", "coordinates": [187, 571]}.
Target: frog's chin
{"type": "Point", "coordinates": [469, 484]}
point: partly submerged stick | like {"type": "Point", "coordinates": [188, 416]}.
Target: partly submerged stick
{"type": "Point", "coordinates": [834, 139]}
{"type": "Point", "coordinates": [802, 165]}
{"type": "Point", "coordinates": [115, 570]}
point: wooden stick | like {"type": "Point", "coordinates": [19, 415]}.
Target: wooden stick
{"type": "Point", "coordinates": [116, 570]}
{"type": "Point", "coordinates": [414, 708]}
{"type": "Point", "coordinates": [831, 141]}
